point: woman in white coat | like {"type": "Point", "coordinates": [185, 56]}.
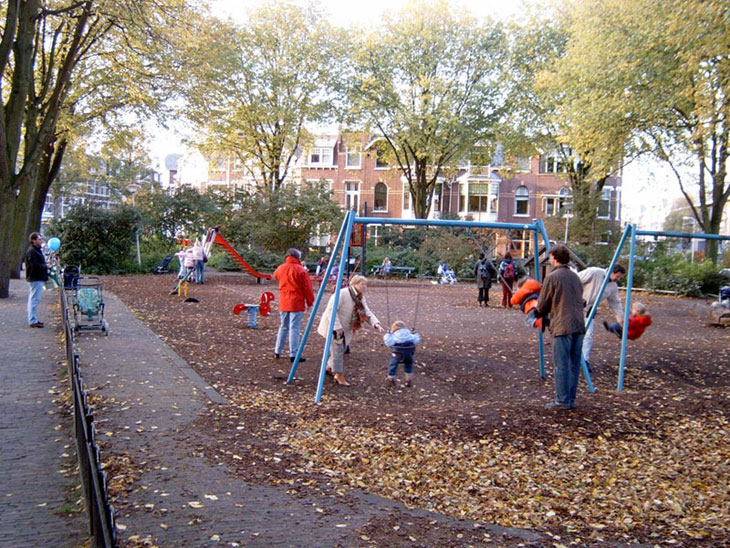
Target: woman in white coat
{"type": "Point", "coordinates": [352, 312]}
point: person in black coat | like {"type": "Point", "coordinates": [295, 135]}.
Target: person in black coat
{"type": "Point", "coordinates": [36, 272]}
{"type": "Point", "coordinates": [484, 271]}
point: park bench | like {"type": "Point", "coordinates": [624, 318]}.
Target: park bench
{"type": "Point", "coordinates": [406, 270]}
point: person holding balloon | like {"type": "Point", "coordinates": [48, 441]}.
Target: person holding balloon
{"type": "Point", "coordinates": [36, 272]}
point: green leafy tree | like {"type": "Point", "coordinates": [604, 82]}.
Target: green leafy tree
{"type": "Point", "coordinates": [287, 219]}
{"type": "Point", "coordinates": [657, 81]}
{"type": "Point", "coordinates": [428, 80]}
{"type": "Point", "coordinates": [253, 89]}
{"type": "Point", "coordinates": [536, 120]}
{"type": "Point", "coordinates": [183, 212]}
{"type": "Point", "coordinates": [100, 240]}
{"type": "Point", "coordinates": [64, 64]}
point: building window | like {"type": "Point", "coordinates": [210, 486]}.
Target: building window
{"type": "Point", "coordinates": [522, 164]}
{"type": "Point", "coordinates": [521, 243]}
{"type": "Point", "coordinates": [321, 157]}
{"type": "Point", "coordinates": [352, 195]}
{"type": "Point", "coordinates": [380, 162]}
{"type": "Point", "coordinates": [554, 205]}
{"type": "Point", "coordinates": [381, 197]}
{"type": "Point", "coordinates": [482, 197]}
{"type": "Point", "coordinates": [353, 159]}
{"type": "Point", "coordinates": [436, 200]}
{"type": "Point", "coordinates": [406, 197]}
{"type": "Point", "coordinates": [522, 201]}
{"type": "Point", "coordinates": [604, 205]}
{"type": "Point", "coordinates": [550, 205]}
{"type": "Point", "coordinates": [552, 163]}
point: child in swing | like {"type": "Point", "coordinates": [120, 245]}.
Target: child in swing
{"type": "Point", "coordinates": [402, 344]}
{"type": "Point", "coordinates": [639, 320]}
{"type": "Point", "coordinates": [528, 291]}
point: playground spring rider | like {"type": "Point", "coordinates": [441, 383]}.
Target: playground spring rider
{"type": "Point", "coordinates": [264, 308]}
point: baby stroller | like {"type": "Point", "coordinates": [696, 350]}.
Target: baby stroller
{"type": "Point", "coordinates": [71, 276]}
{"type": "Point", "coordinates": [446, 275]}
{"type": "Point", "coordinates": [88, 305]}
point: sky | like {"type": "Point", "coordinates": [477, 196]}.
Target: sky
{"type": "Point", "coordinates": [344, 13]}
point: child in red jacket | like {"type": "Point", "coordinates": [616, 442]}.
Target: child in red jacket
{"type": "Point", "coordinates": [528, 291]}
{"type": "Point", "coordinates": [639, 320]}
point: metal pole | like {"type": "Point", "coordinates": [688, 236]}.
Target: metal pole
{"type": "Point", "coordinates": [136, 239]}
{"type": "Point", "coordinates": [540, 341]}
{"type": "Point", "coordinates": [627, 310]}
{"type": "Point", "coordinates": [317, 301]}
{"type": "Point", "coordinates": [606, 279]}
{"type": "Point", "coordinates": [349, 220]}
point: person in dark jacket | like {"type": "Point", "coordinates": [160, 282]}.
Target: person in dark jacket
{"type": "Point", "coordinates": [36, 272]}
{"type": "Point", "coordinates": [562, 298]}
{"type": "Point", "coordinates": [484, 271]}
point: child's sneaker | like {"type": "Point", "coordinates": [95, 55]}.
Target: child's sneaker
{"type": "Point", "coordinates": [390, 381]}
{"type": "Point", "coordinates": [409, 383]}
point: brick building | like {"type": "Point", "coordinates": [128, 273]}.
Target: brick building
{"type": "Point", "coordinates": [535, 188]}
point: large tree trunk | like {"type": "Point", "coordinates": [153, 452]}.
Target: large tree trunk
{"type": "Point", "coordinates": [13, 214]}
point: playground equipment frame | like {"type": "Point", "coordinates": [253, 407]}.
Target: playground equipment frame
{"type": "Point", "coordinates": [632, 232]}
{"type": "Point", "coordinates": [537, 227]}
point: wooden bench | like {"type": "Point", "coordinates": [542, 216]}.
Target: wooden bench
{"type": "Point", "coordinates": [407, 270]}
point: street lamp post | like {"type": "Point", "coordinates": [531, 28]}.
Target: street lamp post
{"type": "Point", "coordinates": [568, 209]}
{"type": "Point", "coordinates": [133, 188]}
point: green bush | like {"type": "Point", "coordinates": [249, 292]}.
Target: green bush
{"type": "Point", "coordinates": [100, 240]}
{"type": "Point", "coordinates": [674, 272]}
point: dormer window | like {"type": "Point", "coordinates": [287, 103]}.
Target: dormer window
{"type": "Point", "coordinates": [320, 157]}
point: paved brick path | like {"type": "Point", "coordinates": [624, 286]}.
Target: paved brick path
{"type": "Point", "coordinates": [32, 447]}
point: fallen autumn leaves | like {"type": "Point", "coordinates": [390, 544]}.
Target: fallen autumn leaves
{"type": "Point", "coordinates": [472, 438]}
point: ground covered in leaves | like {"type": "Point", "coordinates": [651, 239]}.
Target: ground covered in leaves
{"type": "Point", "coordinates": [472, 438]}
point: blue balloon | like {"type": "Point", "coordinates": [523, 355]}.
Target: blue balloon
{"type": "Point", "coordinates": [54, 244]}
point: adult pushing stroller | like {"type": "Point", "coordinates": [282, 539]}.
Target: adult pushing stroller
{"type": "Point", "coordinates": [88, 305]}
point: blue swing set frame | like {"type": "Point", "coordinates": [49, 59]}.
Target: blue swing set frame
{"type": "Point", "coordinates": [538, 229]}
{"type": "Point", "coordinates": [631, 233]}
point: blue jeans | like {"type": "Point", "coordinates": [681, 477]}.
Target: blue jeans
{"type": "Point", "coordinates": [401, 354]}
{"type": "Point", "coordinates": [291, 323]}
{"type": "Point", "coordinates": [588, 341]}
{"type": "Point", "coordinates": [199, 271]}
{"type": "Point", "coordinates": [566, 360]}
{"type": "Point", "coordinates": [34, 299]}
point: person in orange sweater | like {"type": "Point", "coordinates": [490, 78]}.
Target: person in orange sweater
{"type": "Point", "coordinates": [528, 290]}
{"type": "Point", "coordinates": [295, 296]}
{"type": "Point", "coordinates": [639, 320]}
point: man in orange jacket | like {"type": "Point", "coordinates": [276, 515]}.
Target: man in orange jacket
{"type": "Point", "coordinates": [295, 296]}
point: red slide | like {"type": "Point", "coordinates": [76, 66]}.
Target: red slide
{"type": "Point", "coordinates": [237, 258]}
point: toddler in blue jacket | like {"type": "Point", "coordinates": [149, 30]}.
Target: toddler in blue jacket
{"type": "Point", "coordinates": [402, 344]}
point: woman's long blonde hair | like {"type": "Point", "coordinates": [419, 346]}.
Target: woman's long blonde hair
{"type": "Point", "coordinates": [357, 279]}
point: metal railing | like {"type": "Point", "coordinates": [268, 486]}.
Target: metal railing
{"type": "Point", "coordinates": [93, 479]}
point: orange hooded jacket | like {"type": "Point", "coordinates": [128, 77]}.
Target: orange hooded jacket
{"type": "Point", "coordinates": [295, 286]}
{"type": "Point", "coordinates": [530, 287]}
